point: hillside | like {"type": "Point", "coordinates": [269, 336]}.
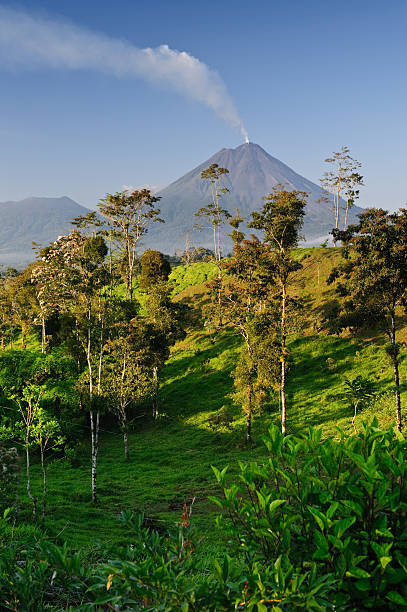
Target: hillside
{"type": "Point", "coordinates": [39, 220]}
{"type": "Point", "coordinates": [253, 173]}
{"type": "Point", "coordinates": [171, 458]}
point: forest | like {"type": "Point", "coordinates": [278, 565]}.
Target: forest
{"type": "Point", "coordinates": [209, 431]}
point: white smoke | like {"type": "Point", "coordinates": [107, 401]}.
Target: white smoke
{"type": "Point", "coordinates": [33, 42]}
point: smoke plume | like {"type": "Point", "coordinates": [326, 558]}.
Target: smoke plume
{"type": "Point", "coordinates": [28, 41]}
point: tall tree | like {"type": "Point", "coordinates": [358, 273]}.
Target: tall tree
{"type": "Point", "coordinates": [166, 319]}
{"type": "Point", "coordinates": [373, 278]}
{"type": "Point", "coordinates": [127, 376]}
{"type": "Point", "coordinates": [129, 215]}
{"type": "Point", "coordinates": [28, 405]}
{"type": "Point", "coordinates": [247, 308]}
{"type": "Point", "coordinates": [82, 282]}
{"type": "Point", "coordinates": [342, 181]}
{"type": "Point", "coordinates": [281, 219]}
{"type": "Point", "coordinates": [46, 435]}
{"type": "Point", "coordinates": [213, 212]}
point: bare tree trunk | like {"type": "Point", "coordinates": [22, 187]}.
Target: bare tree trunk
{"type": "Point", "coordinates": [94, 423]}
{"type": "Point", "coordinates": [126, 443]}
{"type": "Point", "coordinates": [155, 396]}
{"type": "Point", "coordinates": [396, 370]}
{"type": "Point", "coordinates": [94, 426]}
{"type": "Point", "coordinates": [346, 214]}
{"type": "Point", "coordinates": [30, 495]}
{"type": "Point", "coordinates": [42, 334]}
{"type": "Point", "coordinates": [336, 204]}
{"type": "Point", "coordinates": [283, 361]}
{"type": "Point", "coordinates": [249, 417]}
{"type": "Point", "coordinates": [44, 484]}
{"type": "Point", "coordinates": [354, 417]}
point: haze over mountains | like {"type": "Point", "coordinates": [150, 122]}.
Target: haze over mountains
{"type": "Point", "coordinates": [39, 220]}
{"type": "Point", "coordinates": [253, 173]}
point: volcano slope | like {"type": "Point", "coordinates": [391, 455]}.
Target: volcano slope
{"type": "Point", "coordinates": [253, 173]}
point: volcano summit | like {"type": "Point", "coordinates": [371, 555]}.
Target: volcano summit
{"type": "Point", "coordinates": [253, 173]}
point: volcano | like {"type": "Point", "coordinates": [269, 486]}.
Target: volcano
{"type": "Point", "coordinates": [253, 173]}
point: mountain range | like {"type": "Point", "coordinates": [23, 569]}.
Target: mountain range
{"type": "Point", "coordinates": [253, 173]}
{"type": "Point", "coordinates": [39, 220]}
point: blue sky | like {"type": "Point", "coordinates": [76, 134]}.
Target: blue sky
{"type": "Point", "coordinates": [306, 77]}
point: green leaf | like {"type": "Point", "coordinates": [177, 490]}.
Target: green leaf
{"type": "Point", "coordinates": [396, 598]}
{"type": "Point", "coordinates": [275, 504]}
{"type": "Point", "coordinates": [363, 585]}
{"type": "Point", "coordinates": [318, 516]}
{"type": "Point", "coordinates": [343, 525]}
{"type": "Point", "coordinates": [357, 572]}
{"type": "Point", "coordinates": [384, 561]}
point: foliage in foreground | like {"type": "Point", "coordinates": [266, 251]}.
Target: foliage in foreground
{"type": "Point", "coordinates": [319, 525]}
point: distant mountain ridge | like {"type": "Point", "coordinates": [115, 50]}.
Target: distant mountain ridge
{"type": "Point", "coordinates": [39, 220]}
{"type": "Point", "coordinates": [253, 173]}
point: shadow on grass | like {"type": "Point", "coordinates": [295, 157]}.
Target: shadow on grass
{"type": "Point", "coordinates": [193, 384]}
{"type": "Point", "coordinates": [320, 364]}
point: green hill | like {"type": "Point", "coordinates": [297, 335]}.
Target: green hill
{"type": "Point", "coordinates": [170, 458]}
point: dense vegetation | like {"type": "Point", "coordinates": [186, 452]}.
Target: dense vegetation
{"type": "Point", "coordinates": [124, 381]}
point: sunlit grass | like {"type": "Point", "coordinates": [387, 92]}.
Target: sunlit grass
{"type": "Point", "coordinates": [170, 459]}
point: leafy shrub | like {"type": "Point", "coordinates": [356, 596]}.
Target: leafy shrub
{"type": "Point", "coordinates": [319, 525]}
{"type": "Point", "coordinates": [335, 506]}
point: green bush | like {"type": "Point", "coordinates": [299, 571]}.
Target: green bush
{"type": "Point", "coordinates": [318, 525]}
{"type": "Point", "coordinates": [336, 507]}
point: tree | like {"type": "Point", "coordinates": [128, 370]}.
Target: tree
{"type": "Point", "coordinates": [247, 308]}
{"type": "Point", "coordinates": [46, 434]}
{"type": "Point", "coordinates": [155, 268]}
{"type": "Point", "coordinates": [358, 391]}
{"type": "Point", "coordinates": [129, 216]}
{"type": "Point", "coordinates": [373, 278]}
{"type": "Point", "coordinates": [166, 320]}
{"type": "Point", "coordinates": [342, 181]}
{"type": "Point", "coordinates": [213, 212]}
{"type": "Point", "coordinates": [28, 405]}
{"type": "Point", "coordinates": [81, 285]}
{"type": "Point", "coordinates": [127, 377]}
{"type": "Point", "coordinates": [281, 219]}
{"type": "Point", "coordinates": [23, 303]}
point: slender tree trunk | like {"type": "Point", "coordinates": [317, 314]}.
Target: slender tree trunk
{"type": "Point", "coordinates": [126, 439]}
{"type": "Point", "coordinates": [44, 484]}
{"type": "Point", "coordinates": [336, 204]}
{"type": "Point", "coordinates": [396, 369]}
{"type": "Point", "coordinates": [30, 495]}
{"type": "Point", "coordinates": [249, 417]}
{"type": "Point", "coordinates": [42, 334]}
{"type": "Point", "coordinates": [22, 337]}
{"type": "Point", "coordinates": [354, 416]}
{"type": "Point", "coordinates": [94, 426]}
{"type": "Point", "coordinates": [155, 396]}
{"type": "Point", "coordinates": [283, 360]}
{"type": "Point", "coordinates": [94, 423]}
{"type": "Point", "coordinates": [346, 214]}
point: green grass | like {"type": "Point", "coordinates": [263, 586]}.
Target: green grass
{"type": "Point", "coordinates": [171, 459]}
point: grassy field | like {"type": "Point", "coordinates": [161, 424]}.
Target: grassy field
{"type": "Point", "coordinates": [171, 458]}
